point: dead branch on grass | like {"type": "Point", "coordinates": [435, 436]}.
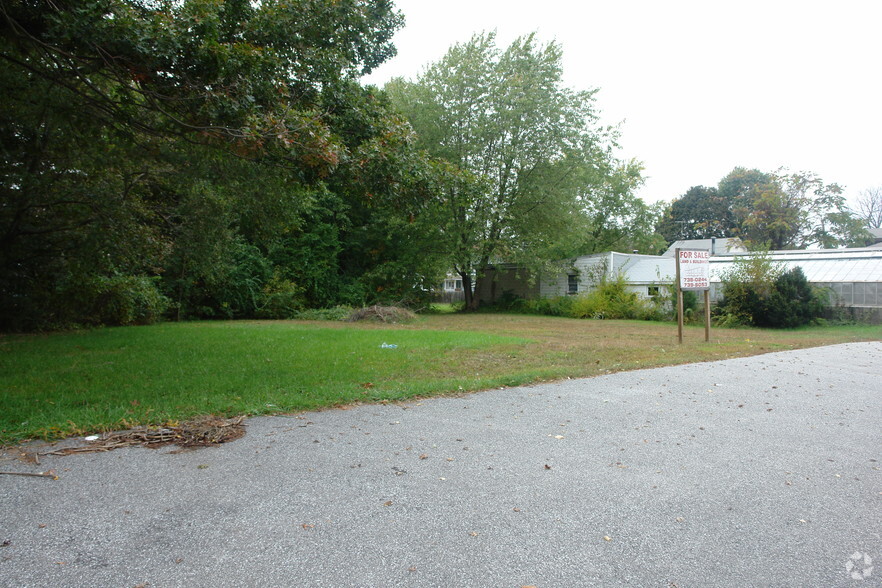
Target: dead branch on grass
{"type": "Point", "coordinates": [199, 432]}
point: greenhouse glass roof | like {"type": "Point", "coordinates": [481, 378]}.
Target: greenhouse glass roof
{"type": "Point", "coordinates": [819, 266]}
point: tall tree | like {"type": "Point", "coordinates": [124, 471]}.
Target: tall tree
{"type": "Point", "coordinates": [614, 218]}
{"type": "Point", "coordinates": [700, 213]}
{"type": "Point", "coordinates": [869, 207]}
{"type": "Point", "coordinates": [173, 139]}
{"type": "Point", "coordinates": [239, 73]}
{"type": "Point", "coordinates": [779, 210]}
{"type": "Point", "coordinates": [522, 150]}
{"type": "Point", "coordinates": [798, 210]}
{"type": "Point", "coordinates": [740, 188]}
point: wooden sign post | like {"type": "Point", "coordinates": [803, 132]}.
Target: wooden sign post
{"type": "Point", "coordinates": [693, 273]}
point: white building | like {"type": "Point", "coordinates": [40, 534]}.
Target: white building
{"type": "Point", "coordinates": [644, 274]}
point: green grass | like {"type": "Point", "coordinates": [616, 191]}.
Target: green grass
{"type": "Point", "coordinates": [73, 383]}
{"type": "Point", "coordinates": [88, 381]}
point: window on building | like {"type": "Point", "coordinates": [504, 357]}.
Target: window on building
{"type": "Point", "coordinates": [572, 284]}
{"type": "Point", "coordinates": [652, 291]}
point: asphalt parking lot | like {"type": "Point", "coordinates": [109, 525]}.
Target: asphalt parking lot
{"type": "Point", "coordinates": [761, 471]}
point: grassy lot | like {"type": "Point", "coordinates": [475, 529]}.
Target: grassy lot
{"type": "Point", "coordinates": [76, 383]}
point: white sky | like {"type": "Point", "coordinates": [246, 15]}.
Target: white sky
{"type": "Point", "coordinates": [700, 86]}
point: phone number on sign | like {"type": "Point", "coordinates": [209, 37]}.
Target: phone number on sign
{"type": "Point", "coordinates": [695, 283]}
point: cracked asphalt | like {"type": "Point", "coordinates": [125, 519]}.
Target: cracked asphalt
{"type": "Point", "coordinates": [761, 471]}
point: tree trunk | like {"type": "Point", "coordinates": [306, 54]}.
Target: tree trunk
{"type": "Point", "coordinates": [471, 301]}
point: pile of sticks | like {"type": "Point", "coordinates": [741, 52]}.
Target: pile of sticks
{"type": "Point", "coordinates": [200, 432]}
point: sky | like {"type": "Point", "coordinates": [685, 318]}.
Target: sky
{"type": "Point", "coordinates": [697, 87]}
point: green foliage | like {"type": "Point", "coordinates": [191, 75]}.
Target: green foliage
{"type": "Point", "coordinates": [780, 210]}
{"type": "Point", "coordinates": [113, 300]}
{"type": "Point", "coordinates": [793, 302]}
{"type": "Point", "coordinates": [239, 74]}
{"type": "Point", "coordinates": [128, 300]}
{"type": "Point", "coordinates": [280, 299]}
{"type": "Point", "coordinates": [93, 300]}
{"type": "Point", "coordinates": [690, 305]}
{"type": "Point", "coordinates": [701, 213]}
{"type": "Point", "coordinates": [240, 292]}
{"type": "Point", "coordinates": [519, 152]}
{"type": "Point", "coordinates": [757, 292]}
{"type": "Point", "coordinates": [745, 286]}
{"type": "Point", "coordinates": [612, 217]}
{"type": "Point", "coordinates": [609, 299]}
{"type": "Point", "coordinates": [552, 306]}
{"type": "Point", "coordinates": [224, 148]}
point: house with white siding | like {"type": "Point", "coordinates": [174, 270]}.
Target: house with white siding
{"type": "Point", "coordinates": [643, 274]}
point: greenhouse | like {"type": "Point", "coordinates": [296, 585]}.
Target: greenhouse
{"type": "Point", "coordinates": [853, 277]}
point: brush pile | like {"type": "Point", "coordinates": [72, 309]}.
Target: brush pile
{"type": "Point", "coordinates": [200, 432]}
{"type": "Point", "coordinates": [383, 314]}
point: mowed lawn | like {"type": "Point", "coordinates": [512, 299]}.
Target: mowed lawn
{"type": "Point", "coordinates": [66, 384]}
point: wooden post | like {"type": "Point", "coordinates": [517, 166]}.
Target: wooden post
{"type": "Point", "coordinates": [679, 299]}
{"type": "Point", "coordinates": [707, 315]}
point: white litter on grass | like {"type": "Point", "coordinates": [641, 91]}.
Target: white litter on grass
{"type": "Point", "coordinates": [385, 345]}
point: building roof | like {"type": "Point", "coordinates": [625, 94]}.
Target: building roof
{"type": "Point", "coordinates": [820, 266]}
{"type": "Point", "coordinates": [717, 246]}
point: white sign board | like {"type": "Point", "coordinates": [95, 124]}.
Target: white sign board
{"type": "Point", "coordinates": [694, 269]}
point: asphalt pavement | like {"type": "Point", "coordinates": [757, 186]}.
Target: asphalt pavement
{"type": "Point", "coordinates": [761, 471]}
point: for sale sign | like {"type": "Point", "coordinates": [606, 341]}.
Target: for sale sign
{"type": "Point", "coordinates": [694, 269]}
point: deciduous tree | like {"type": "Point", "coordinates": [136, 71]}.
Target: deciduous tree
{"type": "Point", "coordinates": [176, 139]}
{"type": "Point", "coordinates": [869, 207]}
{"type": "Point", "coordinates": [701, 213]}
{"type": "Point", "coordinates": [522, 150]}
{"type": "Point", "coordinates": [780, 210]}
{"type": "Point", "coordinates": [798, 210]}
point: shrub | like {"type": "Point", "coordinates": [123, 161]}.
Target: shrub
{"type": "Point", "coordinates": [610, 299]}
{"type": "Point", "coordinates": [759, 293]}
{"type": "Point", "coordinates": [690, 306]}
{"type": "Point", "coordinates": [792, 303]}
{"type": "Point", "coordinates": [555, 306]}
{"type": "Point", "coordinates": [130, 300]}
{"type": "Point", "coordinates": [280, 299]}
{"type": "Point", "coordinates": [745, 286]}
{"type": "Point", "coordinates": [240, 292]}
